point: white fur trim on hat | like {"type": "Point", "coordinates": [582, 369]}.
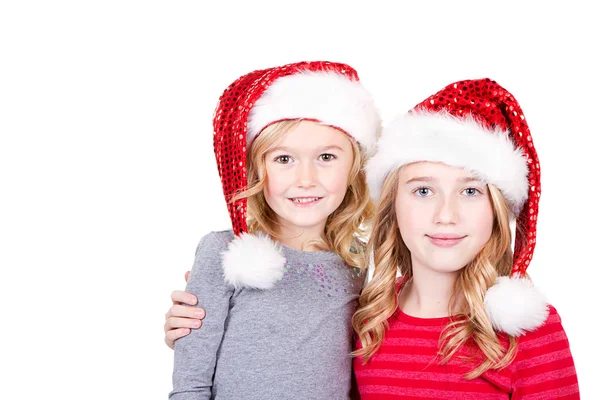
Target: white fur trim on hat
{"type": "Point", "coordinates": [328, 97]}
{"type": "Point", "coordinates": [514, 306]}
{"type": "Point", "coordinates": [253, 261]}
{"type": "Point", "coordinates": [460, 142]}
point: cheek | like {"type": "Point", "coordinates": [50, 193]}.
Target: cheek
{"type": "Point", "coordinates": [338, 186]}
{"type": "Point", "coordinates": [335, 180]}
{"type": "Point", "coordinates": [411, 220]}
{"type": "Point", "coordinates": [274, 189]}
{"type": "Point", "coordinates": [481, 221]}
{"type": "Point", "coordinates": [278, 182]}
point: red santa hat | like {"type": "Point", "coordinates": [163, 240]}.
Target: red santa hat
{"type": "Point", "coordinates": [478, 125]}
{"type": "Point", "coordinates": [326, 92]}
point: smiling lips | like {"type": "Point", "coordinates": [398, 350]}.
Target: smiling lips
{"type": "Point", "coordinates": [305, 201]}
{"type": "Point", "coordinates": [445, 240]}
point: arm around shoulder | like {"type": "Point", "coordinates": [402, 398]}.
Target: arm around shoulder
{"type": "Point", "coordinates": [195, 354]}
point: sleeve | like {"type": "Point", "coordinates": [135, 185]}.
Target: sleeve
{"type": "Point", "coordinates": [544, 367]}
{"type": "Point", "coordinates": [196, 353]}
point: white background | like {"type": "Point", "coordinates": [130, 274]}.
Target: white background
{"type": "Point", "coordinates": [108, 179]}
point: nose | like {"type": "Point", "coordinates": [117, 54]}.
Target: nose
{"type": "Point", "coordinates": [307, 175]}
{"type": "Point", "coordinates": [446, 211]}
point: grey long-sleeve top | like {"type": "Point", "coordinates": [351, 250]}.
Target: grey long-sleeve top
{"type": "Point", "coordinates": [289, 342]}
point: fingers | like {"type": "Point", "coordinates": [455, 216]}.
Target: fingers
{"type": "Point", "coordinates": [172, 336]}
{"type": "Point", "coordinates": [180, 297]}
{"type": "Point", "coordinates": [187, 276]}
{"type": "Point", "coordinates": [176, 323]}
{"type": "Point", "coordinates": [186, 312]}
{"type": "Point", "coordinates": [181, 318]}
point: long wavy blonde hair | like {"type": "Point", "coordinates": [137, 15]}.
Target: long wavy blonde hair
{"type": "Point", "coordinates": [346, 229]}
{"type": "Point", "coordinates": [378, 300]}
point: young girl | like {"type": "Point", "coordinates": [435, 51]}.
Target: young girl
{"type": "Point", "coordinates": [448, 177]}
{"type": "Point", "coordinates": [279, 291]}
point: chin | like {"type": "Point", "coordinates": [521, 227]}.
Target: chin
{"type": "Point", "coordinates": [446, 265]}
{"type": "Point", "coordinates": [448, 270]}
{"type": "Point", "coordinates": [305, 223]}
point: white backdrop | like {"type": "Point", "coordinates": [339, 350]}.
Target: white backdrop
{"type": "Point", "coordinates": [108, 179]}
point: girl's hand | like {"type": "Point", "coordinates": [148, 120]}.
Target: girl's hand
{"type": "Point", "coordinates": [181, 318]}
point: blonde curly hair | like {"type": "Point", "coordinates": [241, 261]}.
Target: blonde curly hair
{"type": "Point", "coordinates": [391, 256]}
{"type": "Point", "coordinates": [346, 228]}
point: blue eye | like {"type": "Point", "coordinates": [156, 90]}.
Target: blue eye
{"type": "Point", "coordinates": [423, 191]}
{"type": "Point", "coordinates": [283, 159]}
{"type": "Point", "coordinates": [327, 157]}
{"type": "Point", "coordinates": [471, 192]}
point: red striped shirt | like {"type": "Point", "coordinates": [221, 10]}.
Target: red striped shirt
{"type": "Point", "coordinates": [407, 366]}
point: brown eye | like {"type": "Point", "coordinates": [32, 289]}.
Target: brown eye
{"type": "Point", "coordinates": [283, 159]}
{"type": "Point", "coordinates": [327, 157]}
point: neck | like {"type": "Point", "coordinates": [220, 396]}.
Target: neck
{"type": "Point", "coordinates": [428, 293]}
{"type": "Point", "coordinates": [296, 237]}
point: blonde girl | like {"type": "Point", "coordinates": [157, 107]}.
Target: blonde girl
{"type": "Point", "coordinates": [280, 289]}
{"type": "Point", "coordinates": [463, 320]}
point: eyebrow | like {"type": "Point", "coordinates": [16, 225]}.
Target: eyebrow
{"type": "Point", "coordinates": [432, 179]}
{"type": "Point", "coordinates": [280, 148]}
{"type": "Point", "coordinates": [470, 179]}
{"type": "Point", "coordinates": [421, 179]}
{"type": "Point", "coordinates": [287, 149]}
{"type": "Point", "coordinates": [333, 146]}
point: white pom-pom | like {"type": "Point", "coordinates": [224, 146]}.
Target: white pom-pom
{"type": "Point", "coordinates": [515, 306]}
{"type": "Point", "coordinates": [253, 261]}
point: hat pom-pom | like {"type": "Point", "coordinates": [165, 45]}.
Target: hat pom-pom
{"type": "Point", "coordinates": [253, 261]}
{"type": "Point", "coordinates": [515, 306]}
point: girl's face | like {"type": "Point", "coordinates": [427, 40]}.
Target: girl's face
{"type": "Point", "coordinates": [307, 175]}
{"type": "Point", "coordinates": [444, 214]}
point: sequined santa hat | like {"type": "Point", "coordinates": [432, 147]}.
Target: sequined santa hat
{"type": "Point", "coordinates": [325, 92]}
{"type": "Point", "coordinates": [478, 125]}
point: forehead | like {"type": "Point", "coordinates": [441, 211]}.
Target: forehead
{"type": "Point", "coordinates": [310, 135]}
{"type": "Point", "coordinates": [437, 172]}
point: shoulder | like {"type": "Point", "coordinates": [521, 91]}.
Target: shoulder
{"type": "Point", "coordinates": [209, 250]}
{"type": "Point", "coordinates": [553, 323]}
{"type": "Point", "coordinates": [544, 360]}
{"type": "Point", "coordinates": [207, 269]}
{"type": "Point", "coordinates": [549, 337]}
{"type": "Point", "coordinates": [214, 242]}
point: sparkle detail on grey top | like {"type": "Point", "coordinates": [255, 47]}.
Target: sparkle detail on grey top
{"type": "Point", "coordinates": [289, 342]}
